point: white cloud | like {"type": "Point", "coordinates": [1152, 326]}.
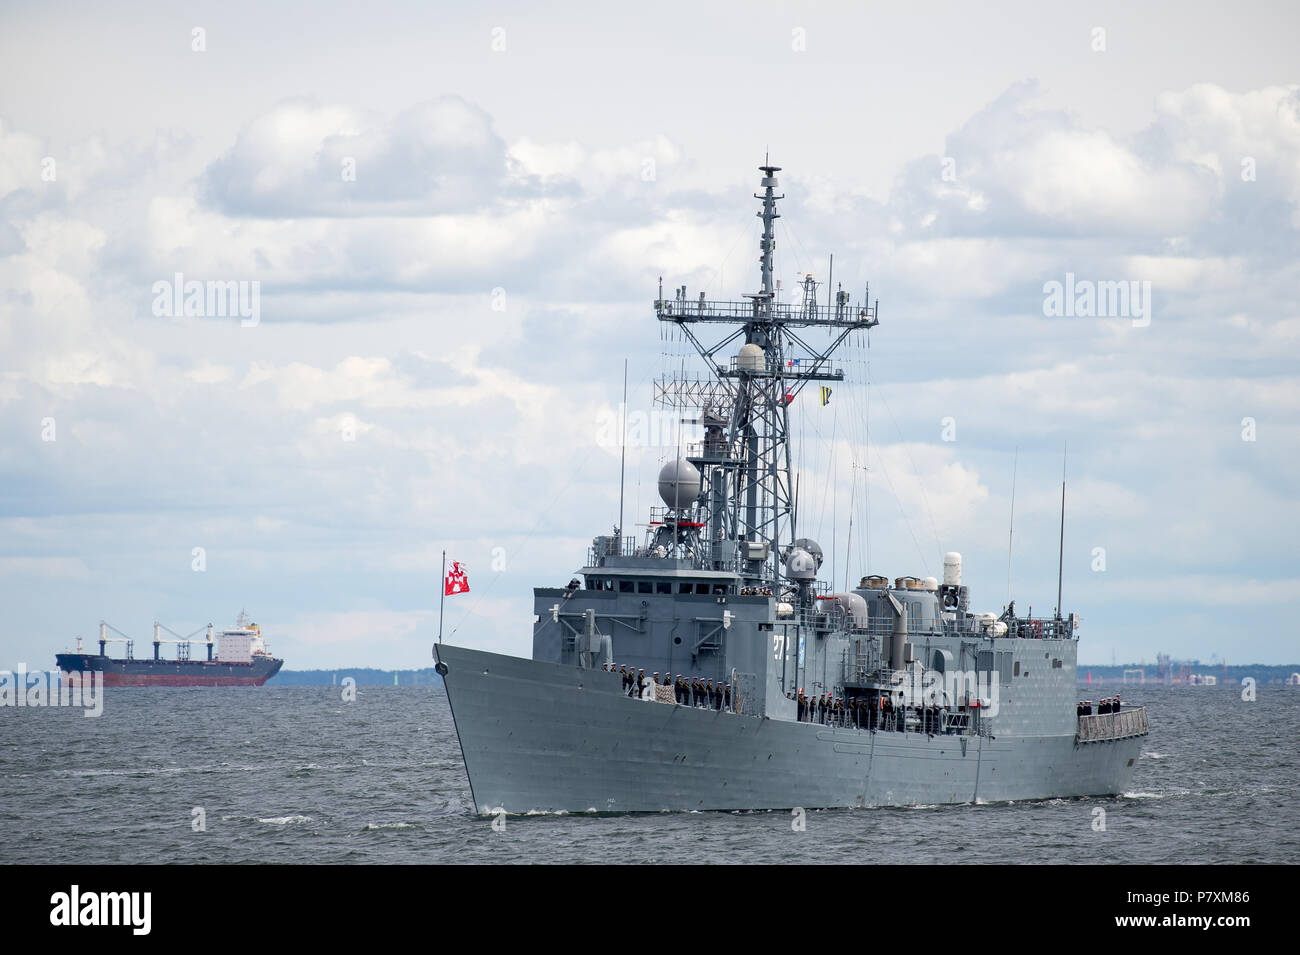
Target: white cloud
{"type": "Point", "coordinates": [479, 426]}
{"type": "Point", "coordinates": [306, 159]}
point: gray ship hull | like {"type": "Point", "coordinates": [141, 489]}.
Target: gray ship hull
{"type": "Point", "coordinates": [545, 737]}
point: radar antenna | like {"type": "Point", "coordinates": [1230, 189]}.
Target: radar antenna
{"type": "Point", "coordinates": [747, 476]}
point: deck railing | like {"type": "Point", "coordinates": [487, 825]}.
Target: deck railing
{"type": "Point", "coordinates": [1106, 726]}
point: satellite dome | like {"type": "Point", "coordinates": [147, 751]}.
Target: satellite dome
{"type": "Point", "coordinates": [812, 547]}
{"type": "Point", "coordinates": [679, 483]}
{"type": "Point", "coordinates": [800, 565]}
{"type": "Point", "coordinates": [750, 358]}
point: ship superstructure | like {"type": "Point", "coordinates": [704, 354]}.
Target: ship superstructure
{"type": "Point", "coordinates": [708, 666]}
{"type": "Point", "coordinates": [239, 656]}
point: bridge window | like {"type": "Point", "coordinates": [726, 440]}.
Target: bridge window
{"type": "Point", "coordinates": [643, 587]}
{"type": "Point", "coordinates": [626, 587]}
{"type": "Point", "coordinates": [701, 588]}
{"type": "Point", "coordinates": [685, 588]}
{"type": "Point", "coordinates": [663, 588]}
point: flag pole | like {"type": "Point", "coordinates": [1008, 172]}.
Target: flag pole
{"type": "Point", "coordinates": [442, 592]}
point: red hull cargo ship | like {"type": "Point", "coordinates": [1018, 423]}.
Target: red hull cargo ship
{"type": "Point", "coordinates": [242, 659]}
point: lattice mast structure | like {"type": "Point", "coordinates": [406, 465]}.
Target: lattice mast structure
{"type": "Point", "coordinates": [747, 478]}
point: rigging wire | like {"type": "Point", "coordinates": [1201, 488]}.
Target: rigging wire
{"type": "Point", "coordinates": [925, 498]}
{"type": "Point", "coordinates": [529, 537]}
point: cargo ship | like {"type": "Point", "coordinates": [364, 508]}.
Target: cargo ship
{"type": "Point", "coordinates": [241, 658]}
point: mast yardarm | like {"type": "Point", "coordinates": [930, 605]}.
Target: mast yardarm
{"type": "Point", "coordinates": [759, 365]}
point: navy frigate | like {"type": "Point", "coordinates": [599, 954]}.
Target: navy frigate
{"type": "Point", "coordinates": [708, 666]}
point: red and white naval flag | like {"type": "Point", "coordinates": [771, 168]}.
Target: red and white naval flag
{"type": "Point", "coordinates": [457, 581]}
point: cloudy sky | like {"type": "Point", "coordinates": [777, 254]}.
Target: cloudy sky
{"type": "Point", "coordinates": [456, 217]}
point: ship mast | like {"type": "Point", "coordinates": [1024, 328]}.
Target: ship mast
{"type": "Point", "coordinates": [747, 485]}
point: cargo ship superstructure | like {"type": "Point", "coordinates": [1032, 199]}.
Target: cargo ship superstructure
{"type": "Point", "coordinates": [710, 666]}
{"type": "Point", "coordinates": [238, 657]}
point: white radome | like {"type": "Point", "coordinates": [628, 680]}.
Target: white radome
{"type": "Point", "coordinates": [800, 565]}
{"type": "Point", "coordinates": [750, 358]}
{"type": "Point", "coordinates": [952, 569]}
{"type": "Point", "coordinates": [679, 483]}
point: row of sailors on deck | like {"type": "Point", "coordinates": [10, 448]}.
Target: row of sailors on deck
{"type": "Point", "coordinates": [686, 690]}
{"type": "Point", "coordinates": [861, 714]}
{"type": "Point", "coordinates": [1103, 706]}
{"type": "Point", "coordinates": [755, 592]}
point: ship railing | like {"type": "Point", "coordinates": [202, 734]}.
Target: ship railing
{"type": "Point", "coordinates": [687, 309]}
{"type": "Point", "coordinates": [709, 451]}
{"type": "Point", "coordinates": [879, 627]}
{"type": "Point", "coordinates": [1024, 628]}
{"type": "Point", "coordinates": [792, 368]}
{"type": "Point", "coordinates": [1099, 727]}
{"type": "Point", "coordinates": [610, 546]}
{"type": "Point", "coordinates": [743, 699]}
{"type": "Point", "coordinates": [719, 556]}
{"type": "Point", "coordinates": [697, 309]}
{"type": "Point", "coordinates": [829, 617]}
{"type": "Point", "coordinates": [1039, 628]}
{"type": "Point", "coordinates": [684, 517]}
{"type": "Point", "coordinates": [961, 722]}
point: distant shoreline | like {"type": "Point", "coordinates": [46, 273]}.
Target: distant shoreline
{"type": "Point", "coordinates": [1263, 675]}
{"type": "Point", "coordinates": [1136, 674]}
{"type": "Point", "coordinates": [364, 676]}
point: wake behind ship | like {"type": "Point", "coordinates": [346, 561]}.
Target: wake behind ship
{"type": "Point", "coordinates": [709, 666]}
{"type": "Point", "coordinates": [242, 659]}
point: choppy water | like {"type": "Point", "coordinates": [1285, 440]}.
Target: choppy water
{"type": "Point", "coordinates": [295, 775]}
